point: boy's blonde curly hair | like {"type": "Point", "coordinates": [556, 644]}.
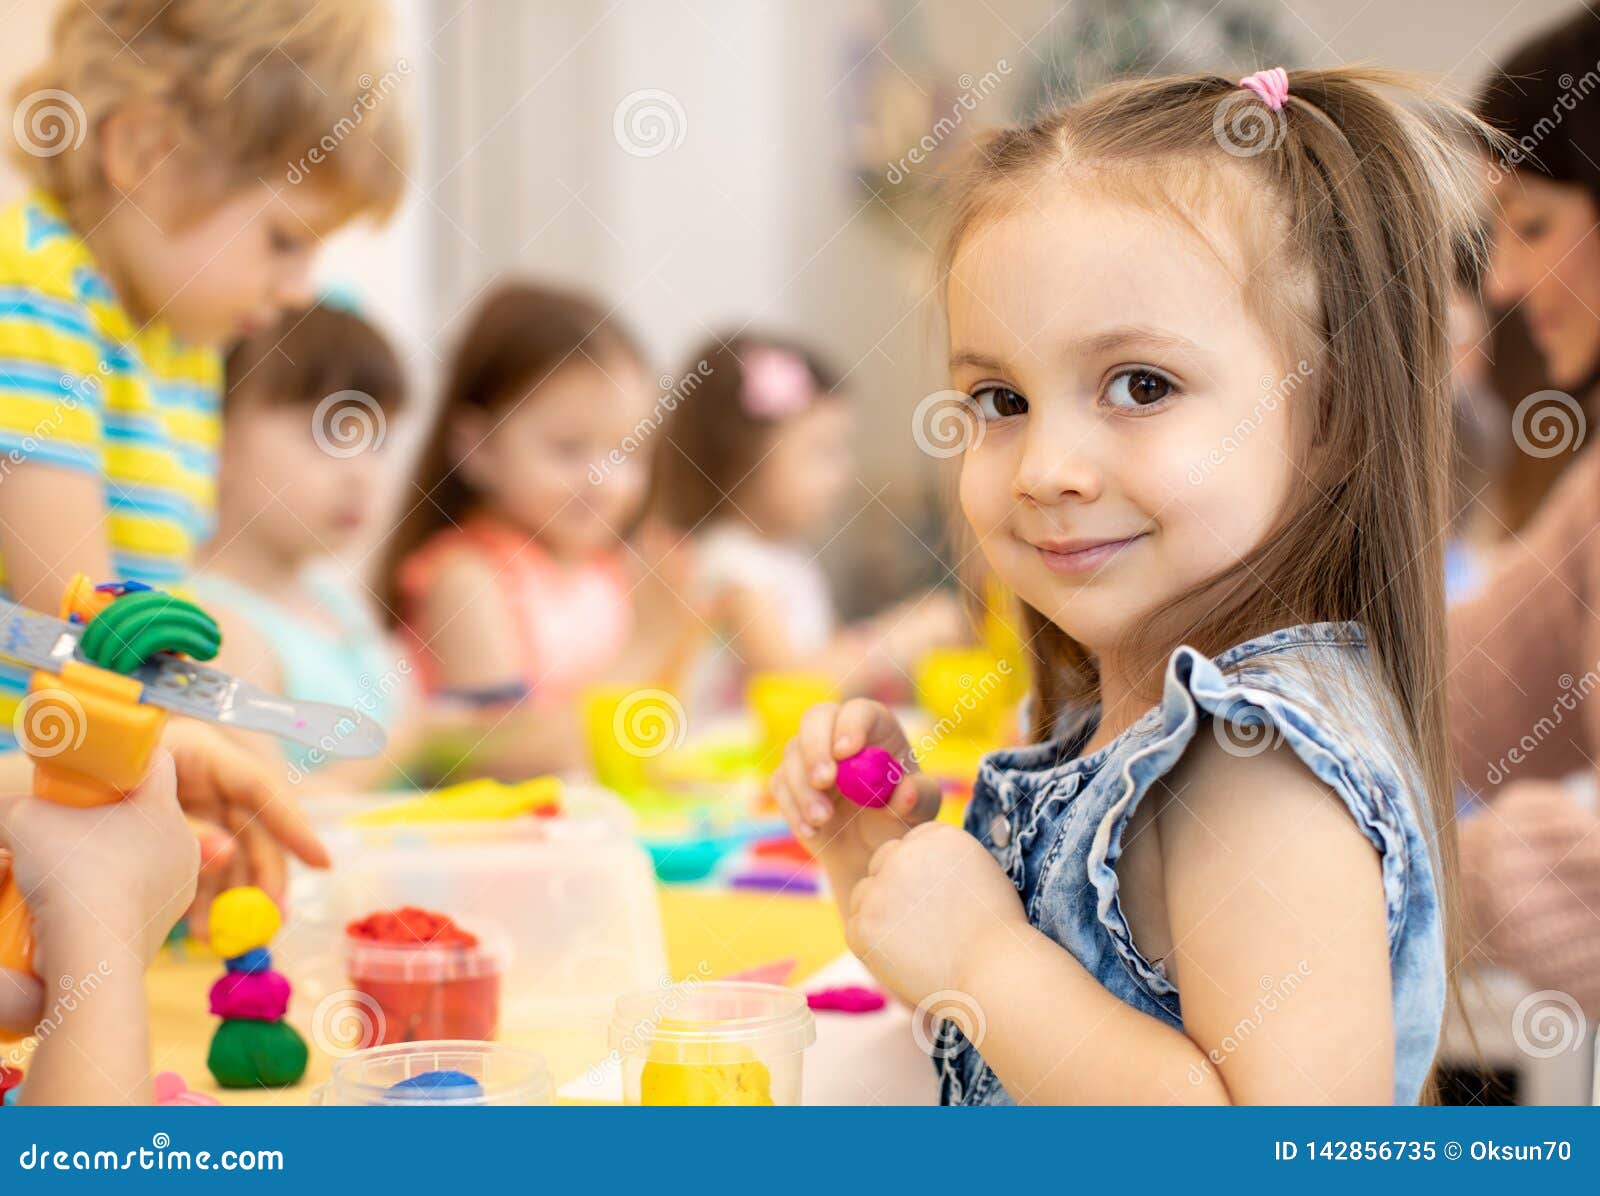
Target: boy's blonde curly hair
{"type": "Point", "coordinates": [258, 90]}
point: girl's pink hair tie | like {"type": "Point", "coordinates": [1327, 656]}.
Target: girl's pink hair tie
{"type": "Point", "coordinates": [1271, 85]}
{"type": "Point", "coordinates": [777, 383]}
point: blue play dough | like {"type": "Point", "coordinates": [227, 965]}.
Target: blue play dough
{"type": "Point", "coordinates": [438, 1085]}
{"type": "Point", "coordinates": [257, 959]}
{"type": "Point", "coordinates": [13, 1095]}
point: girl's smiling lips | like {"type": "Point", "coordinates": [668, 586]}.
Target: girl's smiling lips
{"type": "Point", "coordinates": [1081, 555]}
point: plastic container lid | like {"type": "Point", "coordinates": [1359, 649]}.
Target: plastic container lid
{"type": "Point", "coordinates": [506, 1075]}
{"type": "Point", "coordinates": [710, 1021]}
{"type": "Point", "coordinates": [425, 963]}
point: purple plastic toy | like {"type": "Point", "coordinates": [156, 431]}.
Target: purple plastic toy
{"type": "Point", "coordinates": [869, 777]}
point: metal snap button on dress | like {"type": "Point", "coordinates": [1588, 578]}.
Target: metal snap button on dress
{"type": "Point", "coordinates": [1000, 832]}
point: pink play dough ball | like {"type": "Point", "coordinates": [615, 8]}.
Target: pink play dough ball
{"type": "Point", "coordinates": [869, 777]}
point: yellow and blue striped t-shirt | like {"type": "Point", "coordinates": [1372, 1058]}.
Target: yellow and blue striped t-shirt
{"type": "Point", "coordinates": [84, 387]}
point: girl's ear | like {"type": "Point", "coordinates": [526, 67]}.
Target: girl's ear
{"type": "Point", "coordinates": [469, 448]}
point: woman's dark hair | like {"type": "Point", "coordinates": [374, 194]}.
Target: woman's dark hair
{"type": "Point", "coordinates": [1534, 97]}
{"type": "Point", "coordinates": [519, 337]}
{"type": "Point", "coordinates": [711, 441]}
{"type": "Point", "coordinates": [312, 353]}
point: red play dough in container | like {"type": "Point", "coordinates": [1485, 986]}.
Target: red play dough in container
{"type": "Point", "coordinates": [430, 978]}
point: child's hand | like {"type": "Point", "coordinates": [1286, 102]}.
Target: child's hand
{"type": "Point", "coordinates": [252, 821]}
{"type": "Point", "coordinates": [804, 783]}
{"type": "Point", "coordinates": [104, 885]}
{"type": "Point", "coordinates": [928, 903]}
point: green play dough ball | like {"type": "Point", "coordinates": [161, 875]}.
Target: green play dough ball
{"type": "Point", "coordinates": [246, 1054]}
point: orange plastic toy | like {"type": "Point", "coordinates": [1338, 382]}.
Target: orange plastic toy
{"type": "Point", "coordinates": [98, 748]}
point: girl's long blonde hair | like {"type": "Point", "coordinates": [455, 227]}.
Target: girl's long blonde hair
{"type": "Point", "coordinates": [1355, 205]}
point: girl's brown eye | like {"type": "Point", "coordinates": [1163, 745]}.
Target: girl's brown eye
{"type": "Point", "coordinates": [1139, 388]}
{"type": "Point", "coordinates": [998, 402]}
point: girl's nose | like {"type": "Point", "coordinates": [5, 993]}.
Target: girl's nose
{"type": "Point", "coordinates": [1058, 463]}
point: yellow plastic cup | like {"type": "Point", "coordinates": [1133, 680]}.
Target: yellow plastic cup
{"type": "Point", "coordinates": [779, 700]}
{"type": "Point", "coordinates": [965, 691]}
{"type": "Point", "coordinates": [628, 726]}
{"type": "Point", "coordinates": [723, 1042]}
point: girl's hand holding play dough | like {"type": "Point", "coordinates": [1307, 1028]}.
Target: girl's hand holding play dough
{"type": "Point", "coordinates": [845, 833]}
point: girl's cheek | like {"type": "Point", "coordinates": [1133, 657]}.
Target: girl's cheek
{"type": "Point", "coordinates": [981, 488]}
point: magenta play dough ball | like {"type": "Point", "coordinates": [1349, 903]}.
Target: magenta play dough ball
{"type": "Point", "coordinates": [869, 777]}
{"type": "Point", "coordinates": [253, 996]}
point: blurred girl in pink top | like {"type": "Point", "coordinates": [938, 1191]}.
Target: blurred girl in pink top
{"type": "Point", "coordinates": [516, 572]}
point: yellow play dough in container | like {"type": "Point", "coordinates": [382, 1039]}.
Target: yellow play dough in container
{"type": "Point", "coordinates": [712, 1043]}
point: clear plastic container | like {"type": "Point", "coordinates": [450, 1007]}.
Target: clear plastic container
{"type": "Point", "coordinates": [505, 1075]}
{"type": "Point", "coordinates": [714, 1043]}
{"type": "Point", "coordinates": [572, 899]}
{"type": "Point", "coordinates": [429, 991]}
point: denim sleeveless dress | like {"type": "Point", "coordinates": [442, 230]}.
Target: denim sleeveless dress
{"type": "Point", "coordinates": [1055, 822]}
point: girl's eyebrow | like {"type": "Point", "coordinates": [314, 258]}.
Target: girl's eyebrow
{"type": "Point", "coordinates": [1113, 339]}
{"type": "Point", "coordinates": [982, 361]}
{"type": "Point", "coordinates": [1097, 344]}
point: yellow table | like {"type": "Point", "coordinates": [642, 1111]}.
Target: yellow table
{"type": "Point", "coordinates": [726, 931]}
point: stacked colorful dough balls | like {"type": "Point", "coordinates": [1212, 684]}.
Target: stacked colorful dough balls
{"type": "Point", "coordinates": [253, 1047]}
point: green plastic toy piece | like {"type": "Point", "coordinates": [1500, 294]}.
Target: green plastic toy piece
{"type": "Point", "coordinates": [137, 626]}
